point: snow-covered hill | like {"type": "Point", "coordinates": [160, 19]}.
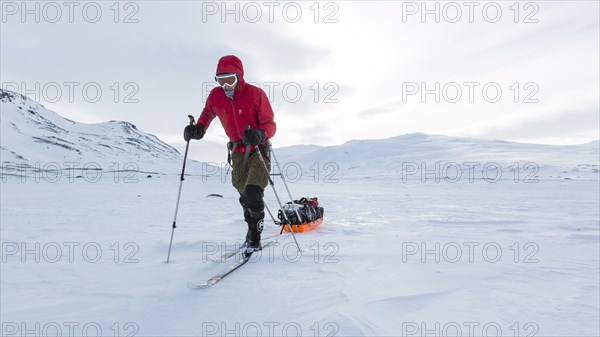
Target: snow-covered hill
{"type": "Point", "coordinates": [32, 135]}
{"type": "Point", "coordinates": [416, 154]}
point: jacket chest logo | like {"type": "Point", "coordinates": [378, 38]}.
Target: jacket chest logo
{"type": "Point", "coordinates": [239, 111]}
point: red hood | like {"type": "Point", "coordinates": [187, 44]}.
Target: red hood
{"type": "Point", "coordinates": [249, 105]}
{"type": "Point", "coordinates": [233, 65]}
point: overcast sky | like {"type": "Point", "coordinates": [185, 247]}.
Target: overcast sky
{"type": "Point", "coordinates": [334, 71]}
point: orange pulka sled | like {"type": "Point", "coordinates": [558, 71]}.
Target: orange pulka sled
{"type": "Point", "coordinates": [305, 227]}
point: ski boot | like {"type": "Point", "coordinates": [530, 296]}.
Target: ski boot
{"type": "Point", "coordinates": [252, 243]}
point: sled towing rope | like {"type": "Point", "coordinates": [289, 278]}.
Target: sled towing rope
{"type": "Point", "coordinates": [187, 146]}
{"type": "Point", "coordinates": [262, 160]}
{"type": "Point", "coordinates": [288, 192]}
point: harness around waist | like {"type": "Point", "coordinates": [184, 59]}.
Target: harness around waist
{"type": "Point", "coordinates": [240, 147]}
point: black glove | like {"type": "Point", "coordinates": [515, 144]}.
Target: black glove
{"type": "Point", "coordinates": [193, 132]}
{"type": "Point", "coordinates": [253, 137]}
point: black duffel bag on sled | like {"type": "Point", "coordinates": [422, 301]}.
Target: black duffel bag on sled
{"type": "Point", "coordinates": [311, 214]}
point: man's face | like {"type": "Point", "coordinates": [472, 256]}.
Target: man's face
{"type": "Point", "coordinates": [227, 81]}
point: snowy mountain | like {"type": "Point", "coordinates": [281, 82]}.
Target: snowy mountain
{"type": "Point", "coordinates": [418, 153]}
{"type": "Point", "coordinates": [33, 135]}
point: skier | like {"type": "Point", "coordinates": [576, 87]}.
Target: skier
{"type": "Point", "coordinates": [239, 105]}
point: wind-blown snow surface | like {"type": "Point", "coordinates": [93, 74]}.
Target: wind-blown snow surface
{"type": "Point", "coordinates": [396, 255]}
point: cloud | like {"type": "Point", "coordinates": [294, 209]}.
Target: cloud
{"type": "Point", "coordinates": [171, 54]}
{"type": "Point", "coordinates": [562, 125]}
{"type": "Point", "coordinates": [268, 54]}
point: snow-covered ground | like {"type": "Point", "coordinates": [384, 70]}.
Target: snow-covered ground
{"type": "Point", "coordinates": [406, 248]}
{"type": "Point", "coordinates": [391, 258]}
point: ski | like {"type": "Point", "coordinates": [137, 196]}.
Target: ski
{"type": "Point", "coordinates": [225, 256]}
{"type": "Point", "coordinates": [213, 280]}
{"type": "Point", "coordinates": [218, 277]}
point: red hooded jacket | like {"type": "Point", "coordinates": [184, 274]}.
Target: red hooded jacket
{"type": "Point", "coordinates": [249, 106]}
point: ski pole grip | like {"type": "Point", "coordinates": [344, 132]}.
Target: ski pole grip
{"type": "Point", "coordinates": [247, 128]}
{"type": "Point", "coordinates": [192, 120]}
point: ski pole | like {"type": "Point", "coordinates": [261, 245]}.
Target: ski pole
{"type": "Point", "coordinates": [277, 197]}
{"type": "Point", "coordinates": [271, 214]}
{"type": "Point", "coordinates": [284, 182]}
{"type": "Point", "coordinates": [187, 146]}
{"type": "Point", "coordinates": [262, 160]}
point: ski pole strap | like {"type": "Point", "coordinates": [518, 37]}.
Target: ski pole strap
{"type": "Point", "coordinates": [231, 146]}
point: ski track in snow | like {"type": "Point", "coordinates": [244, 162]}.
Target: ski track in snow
{"type": "Point", "coordinates": [359, 284]}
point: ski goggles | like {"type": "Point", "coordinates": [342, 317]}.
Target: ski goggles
{"type": "Point", "coordinates": [226, 80]}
